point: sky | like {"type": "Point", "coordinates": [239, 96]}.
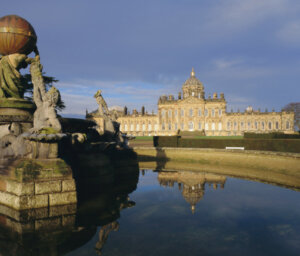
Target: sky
{"type": "Point", "coordinates": [137, 50]}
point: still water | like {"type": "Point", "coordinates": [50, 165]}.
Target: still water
{"type": "Point", "coordinates": [162, 213]}
{"type": "Point", "coordinates": [188, 213]}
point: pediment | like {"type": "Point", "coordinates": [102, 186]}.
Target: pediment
{"type": "Point", "coordinates": [191, 100]}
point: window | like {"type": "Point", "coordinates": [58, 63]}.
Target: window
{"type": "Point", "coordinates": [287, 125]}
{"type": "Point", "coordinates": [242, 125]}
{"type": "Point", "coordinates": [262, 125]}
{"type": "Point", "coordinates": [170, 126]}
{"type": "Point", "coordinates": [176, 128]}
{"type": "Point", "coordinates": [212, 112]}
{"type": "Point", "coordinates": [270, 125]}
{"type": "Point", "coordinates": [191, 112]}
{"type": "Point", "coordinates": [131, 127]}
{"type": "Point", "coordinates": [156, 127]}
{"type": "Point", "coordinates": [206, 126]}
{"type": "Point", "coordinates": [199, 126]}
{"type": "Point", "coordinates": [199, 112]}
{"type": "Point", "coordinates": [170, 113]}
{"type": "Point", "coordinates": [277, 125]}
{"type": "Point", "coordinates": [193, 94]}
{"type": "Point", "coordinates": [125, 127]}
{"type": "Point", "coordinates": [144, 127]}
{"type": "Point", "coordinates": [138, 127]}
{"type": "Point", "coordinates": [213, 126]}
{"type": "Point", "coordinates": [220, 126]}
{"type": "Point", "coordinates": [228, 125]}
{"type": "Point", "coordinates": [256, 125]}
{"type": "Point", "coordinates": [163, 126]}
{"type": "Point", "coordinates": [175, 112]}
{"type": "Point", "coordinates": [199, 95]}
{"type": "Point", "coordinates": [182, 126]}
{"type": "Point", "coordinates": [206, 112]}
{"type": "Point", "coordinates": [182, 112]}
{"type": "Point", "coordinates": [249, 125]}
{"type": "Point", "coordinates": [235, 125]}
{"type": "Point", "coordinates": [149, 127]}
{"type": "Point", "coordinates": [163, 113]}
{"type": "Point", "coordinates": [220, 112]}
{"type": "Point", "coordinates": [191, 126]}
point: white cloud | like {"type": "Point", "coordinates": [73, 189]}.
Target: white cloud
{"type": "Point", "coordinates": [225, 64]}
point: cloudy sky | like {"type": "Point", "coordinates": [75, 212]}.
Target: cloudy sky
{"type": "Point", "coordinates": [136, 50]}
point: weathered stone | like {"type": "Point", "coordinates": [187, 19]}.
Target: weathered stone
{"type": "Point", "coordinates": [62, 198]}
{"type": "Point", "coordinates": [68, 185]}
{"type": "Point", "coordinates": [68, 220]}
{"type": "Point", "coordinates": [48, 224]}
{"type": "Point", "coordinates": [20, 189]}
{"type": "Point", "coordinates": [36, 201]}
{"type": "Point", "coordinates": [60, 210]}
{"type": "Point", "coordinates": [47, 187]}
{"type": "Point", "coordinates": [2, 185]}
{"type": "Point", "coordinates": [10, 200]}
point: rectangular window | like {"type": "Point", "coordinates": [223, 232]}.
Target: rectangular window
{"type": "Point", "coordinates": [206, 126]}
{"type": "Point", "coordinates": [220, 112]}
{"type": "Point", "coordinates": [163, 126]}
{"type": "Point", "coordinates": [242, 126]}
{"type": "Point", "coordinates": [176, 128]}
{"type": "Point", "coordinates": [170, 113]}
{"type": "Point", "coordinates": [270, 125]}
{"type": "Point", "coordinates": [213, 126]}
{"type": "Point", "coordinates": [191, 126]}
{"type": "Point", "coordinates": [249, 125]}
{"type": "Point", "coordinates": [220, 126]}
{"type": "Point", "coordinates": [262, 125]}
{"type": "Point", "coordinates": [206, 112]}
{"type": "Point", "coordinates": [191, 112]}
{"type": "Point", "coordinates": [228, 125]}
{"type": "Point", "coordinates": [175, 112]}
{"type": "Point", "coordinates": [182, 112]}
{"type": "Point", "coordinates": [277, 125]}
{"type": "Point", "coordinates": [182, 126]}
{"type": "Point", "coordinates": [170, 126]}
{"type": "Point", "coordinates": [212, 112]}
{"type": "Point", "coordinates": [199, 112]}
{"type": "Point", "coordinates": [199, 126]}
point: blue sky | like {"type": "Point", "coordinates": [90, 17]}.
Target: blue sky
{"type": "Point", "coordinates": [137, 50]}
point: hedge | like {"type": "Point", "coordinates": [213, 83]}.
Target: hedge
{"type": "Point", "coordinates": [271, 135]}
{"type": "Point", "coordinates": [281, 145]}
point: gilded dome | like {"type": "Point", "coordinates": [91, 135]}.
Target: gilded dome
{"type": "Point", "coordinates": [193, 81]}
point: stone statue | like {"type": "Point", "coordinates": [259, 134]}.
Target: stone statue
{"type": "Point", "coordinates": [102, 104]}
{"type": "Point", "coordinates": [11, 85]}
{"type": "Point", "coordinates": [45, 115]}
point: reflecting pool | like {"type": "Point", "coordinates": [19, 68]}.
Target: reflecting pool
{"type": "Point", "coordinates": [167, 213]}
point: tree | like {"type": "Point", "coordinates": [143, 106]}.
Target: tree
{"type": "Point", "coordinates": [295, 107]}
{"type": "Point", "coordinates": [49, 82]}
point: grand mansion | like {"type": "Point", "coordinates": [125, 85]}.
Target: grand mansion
{"type": "Point", "coordinates": [192, 111]}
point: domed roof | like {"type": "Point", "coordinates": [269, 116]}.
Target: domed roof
{"type": "Point", "coordinates": [193, 81]}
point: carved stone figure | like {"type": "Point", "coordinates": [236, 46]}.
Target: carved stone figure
{"type": "Point", "coordinates": [103, 109]}
{"type": "Point", "coordinates": [11, 85]}
{"type": "Point", "coordinates": [45, 115]}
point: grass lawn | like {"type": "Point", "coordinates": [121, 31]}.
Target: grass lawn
{"type": "Point", "coordinates": [144, 138]}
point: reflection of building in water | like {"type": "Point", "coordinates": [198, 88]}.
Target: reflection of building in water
{"type": "Point", "coordinates": [192, 184]}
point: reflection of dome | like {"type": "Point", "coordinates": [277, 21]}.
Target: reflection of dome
{"type": "Point", "coordinates": [192, 86]}
{"type": "Point", "coordinates": [193, 195]}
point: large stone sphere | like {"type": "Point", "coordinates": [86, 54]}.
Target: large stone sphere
{"type": "Point", "coordinates": [16, 35]}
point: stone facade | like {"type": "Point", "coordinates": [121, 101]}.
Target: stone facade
{"type": "Point", "coordinates": [192, 111]}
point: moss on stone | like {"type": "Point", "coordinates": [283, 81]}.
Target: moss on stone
{"type": "Point", "coordinates": [48, 130]}
{"type": "Point", "coordinates": [16, 103]}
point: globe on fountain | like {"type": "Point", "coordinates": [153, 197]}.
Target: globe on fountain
{"type": "Point", "coordinates": [16, 35]}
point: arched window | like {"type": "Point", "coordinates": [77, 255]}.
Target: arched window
{"type": "Point", "coordinates": [131, 127]}
{"type": "Point", "coordinates": [242, 126]}
{"type": "Point", "coordinates": [212, 112]}
{"type": "Point", "coordinates": [163, 113]}
{"type": "Point", "coordinates": [287, 125]}
{"type": "Point", "coordinates": [256, 125]}
{"type": "Point", "coordinates": [206, 126]}
{"type": "Point", "coordinates": [149, 126]}
{"type": "Point", "coordinates": [170, 113]}
{"type": "Point", "coordinates": [277, 125]}
{"type": "Point", "coordinates": [199, 126]}
{"type": "Point", "coordinates": [138, 127]}
{"type": "Point", "coordinates": [191, 126]}
{"type": "Point", "coordinates": [235, 125]}
{"type": "Point", "coordinates": [262, 125]}
{"type": "Point", "coordinates": [170, 126]}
